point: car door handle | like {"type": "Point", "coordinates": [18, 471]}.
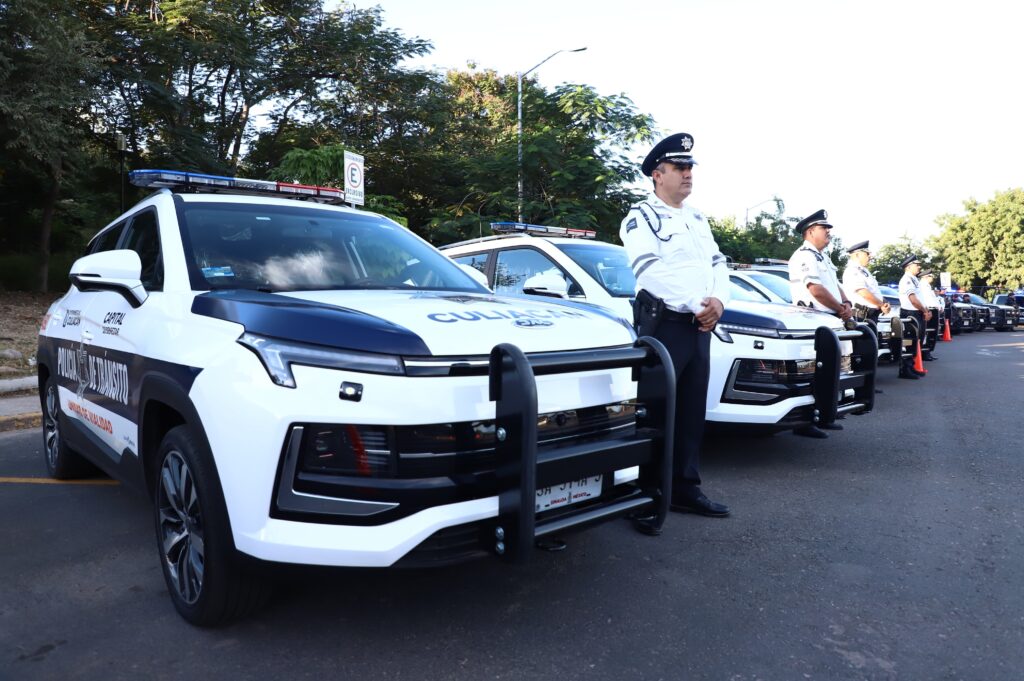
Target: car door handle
{"type": "Point", "coordinates": [87, 336]}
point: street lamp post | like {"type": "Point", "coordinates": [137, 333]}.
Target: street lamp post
{"type": "Point", "coordinates": [121, 148]}
{"type": "Point", "coordinates": [746, 215]}
{"type": "Point", "coordinates": [519, 120]}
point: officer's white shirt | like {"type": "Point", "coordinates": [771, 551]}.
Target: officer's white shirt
{"type": "Point", "coordinates": [674, 255]}
{"type": "Point", "coordinates": [808, 265]}
{"type": "Point", "coordinates": [855, 278]}
{"type": "Point", "coordinates": [927, 296]}
{"type": "Point", "coordinates": [909, 284]}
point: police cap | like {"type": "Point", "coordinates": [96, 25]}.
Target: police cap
{"type": "Point", "coordinates": [862, 246]}
{"type": "Point", "coordinates": [818, 218]}
{"type": "Point", "coordinates": [908, 261]}
{"type": "Point", "coordinates": [674, 149]}
{"type": "Point", "coordinates": [927, 273]}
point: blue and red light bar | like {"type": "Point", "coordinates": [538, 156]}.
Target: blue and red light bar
{"type": "Point", "coordinates": [185, 181]}
{"type": "Point", "coordinates": [542, 230]}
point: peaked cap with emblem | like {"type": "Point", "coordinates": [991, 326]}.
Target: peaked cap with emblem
{"type": "Point", "coordinates": [674, 149]}
{"type": "Point", "coordinates": [927, 273]}
{"type": "Point", "coordinates": [909, 260]}
{"type": "Point", "coordinates": [819, 218]}
{"type": "Point", "coordinates": [862, 246]}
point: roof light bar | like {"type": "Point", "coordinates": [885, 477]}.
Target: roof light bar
{"type": "Point", "coordinates": [542, 230]}
{"type": "Point", "coordinates": [185, 181]}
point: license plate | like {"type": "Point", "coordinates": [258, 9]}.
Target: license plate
{"type": "Point", "coordinates": [567, 493]}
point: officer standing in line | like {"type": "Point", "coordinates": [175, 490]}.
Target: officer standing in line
{"type": "Point", "coordinates": [931, 301]}
{"type": "Point", "coordinates": [911, 303]}
{"type": "Point", "coordinates": [814, 284]}
{"type": "Point", "coordinates": [862, 287]}
{"type": "Point", "coordinates": [682, 286]}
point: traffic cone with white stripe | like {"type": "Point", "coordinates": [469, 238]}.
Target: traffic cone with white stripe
{"type": "Point", "coordinates": [918, 364]}
{"type": "Point", "coordinates": [946, 335]}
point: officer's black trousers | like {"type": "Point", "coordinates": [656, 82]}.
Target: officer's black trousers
{"type": "Point", "coordinates": [690, 349]}
{"type": "Point", "coordinates": [933, 331]}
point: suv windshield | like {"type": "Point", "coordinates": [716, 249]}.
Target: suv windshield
{"type": "Point", "coordinates": [773, 283]}
{"type": "Point", "coordinates": [292, 248]}
{"type": "Point", "coordinates": [607, 264]}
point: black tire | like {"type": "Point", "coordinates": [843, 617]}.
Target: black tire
{"type": "Point", "coordinates": [208, 581]}
{"type": "Point", "coordinates": [62, 462]}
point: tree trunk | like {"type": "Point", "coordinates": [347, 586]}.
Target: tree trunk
{"type": "Point", "coordinates": [46, 228]}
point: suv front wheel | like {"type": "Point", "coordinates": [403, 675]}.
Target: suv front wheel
{"type": "Point", "coordinates": [205, 576]}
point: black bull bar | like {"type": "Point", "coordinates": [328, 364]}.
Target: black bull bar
{"type": "Point", "coordinates": [521, 468]}
{"type": "Point", "coordinates": [828, 385]}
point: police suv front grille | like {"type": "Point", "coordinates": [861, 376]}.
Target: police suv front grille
{"type": "Point", "coordinates": [445, 449]}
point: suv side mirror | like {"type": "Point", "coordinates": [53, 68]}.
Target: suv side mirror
{"type": "Point", "coordinates": [550, 283]}
{"type": "Point", "coordinates": [117, 271]}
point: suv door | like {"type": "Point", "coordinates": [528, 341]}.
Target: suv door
{"type": "Point", "coordinates": [111, 332]}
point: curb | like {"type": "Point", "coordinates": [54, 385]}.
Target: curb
{"type": "Point", "coordinates": [13, 385]}
{"type": "Point", "coordinates": [20, 421]}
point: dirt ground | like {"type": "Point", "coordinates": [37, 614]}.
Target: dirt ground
{"type": "Point", "coordinates": [20, 314]}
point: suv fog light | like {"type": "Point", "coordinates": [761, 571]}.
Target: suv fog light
{"type": "Point", "coordinates": [345, 450]}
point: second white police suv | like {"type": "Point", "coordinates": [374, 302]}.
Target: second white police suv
{"type": "Point", "coordinates": [307, 383]}
{"type": "Point", "coordinates": [770, 367]}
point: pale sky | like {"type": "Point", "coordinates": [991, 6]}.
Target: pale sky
{"type": "Point", "coordinates": [885, 113]}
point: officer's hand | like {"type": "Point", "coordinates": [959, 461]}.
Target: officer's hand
{"type": "Point", "coordinates": [885, 308]}
{"type": "Point", "coordinates": [846, 312]}
{"type": "Point", "coordinates": [712, 312]}
{"type": "Point", "coordinates": [927, 315]}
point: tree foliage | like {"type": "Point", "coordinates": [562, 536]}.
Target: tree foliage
{"type": "Point", "coordinates": [885, 263]}
{"type": "Point", "coordinates": [986, 245]}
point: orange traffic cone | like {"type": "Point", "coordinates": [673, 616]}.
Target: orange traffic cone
{"type": "Point", "coordinates": [918, 364]}
{"type": "Point", "coordinates": [946, 335]}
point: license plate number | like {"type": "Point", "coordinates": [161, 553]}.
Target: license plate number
{"type": "Point", "coordinates": [571, 492]}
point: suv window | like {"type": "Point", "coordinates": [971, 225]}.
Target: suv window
{"type": "Point", "coordinates": [748, 288]}
{"type": "Point", "coordinates": [284, 248]}
{"type": "Point", "coordinates": [518, 267]}
{"type": "Point", "coordinates": [476, 261]}
{"type": "Point", "coordinates": [606, 264]}
{"type": "Point", "coordinates": [107, 240]}
{"type": "Point", "coordinates": [144, 238]}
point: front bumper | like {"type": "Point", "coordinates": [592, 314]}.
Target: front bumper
{"type": "Point", "coordinates": [832, 390]}
{"type": "Point", "coordinates": [348, 521]}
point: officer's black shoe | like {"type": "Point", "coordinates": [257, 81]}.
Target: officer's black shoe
{"type": "Point", "coordinates": [830, 426]}
{"type": "Point", "coordinates": [906, 372]}
{"type": "Point", "coordinates": [810, 431]}
{"type": "Point", "coordinates": [929, 357]}
{"type": "Point", "coordinates": [700, 505]}
{"type": "Point", "coordinates": [646, 524]}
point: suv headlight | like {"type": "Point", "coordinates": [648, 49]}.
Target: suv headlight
{"type": "Point", "coordinates": [723, 331]}
{"type": "Point", "coordinates": [279, 355]}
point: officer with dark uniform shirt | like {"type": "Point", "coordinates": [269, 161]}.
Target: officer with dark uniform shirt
{"type": "Point", "coordinates": [813, 283]}
{"type": "Point", "coordinates": [913, 306]}
{"type": "Point", "coordinates": [682, 286]}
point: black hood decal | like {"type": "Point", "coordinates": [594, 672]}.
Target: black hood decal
{"type": "Point", "coordinates": [289, 318]}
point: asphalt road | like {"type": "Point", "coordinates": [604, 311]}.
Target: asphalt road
{"type": "Point", "coordinates": [894, 550]}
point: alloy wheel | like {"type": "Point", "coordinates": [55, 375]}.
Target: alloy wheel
{"type": "Point", "coordinates": [181, 527]}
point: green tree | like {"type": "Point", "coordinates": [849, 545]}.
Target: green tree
{"type": "Point", "coordinates": [46, 85]}
{"type": "Point", "coordinates": [985, 247]}
{"type": "Point", "coordinates": [885, 263]}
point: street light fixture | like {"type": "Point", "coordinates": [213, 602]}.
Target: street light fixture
{"type": "Point", "coordinates": [519, 119]}
{"type": "Point", "coordinates": [746, 215]}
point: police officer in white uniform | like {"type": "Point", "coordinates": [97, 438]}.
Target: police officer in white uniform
{"type": "Point", "coordinates": [682, 287]}
{"type": "Point", "coordinates": [861, 287]}
{"type": "Point", "coordinates": [812, 276]}
{"type": "Point", "coordinates": [813, 283]}
{"type": "Point", "coordinates": [910, 301]}
{"type": "Point", "coordinates": [932, 302]}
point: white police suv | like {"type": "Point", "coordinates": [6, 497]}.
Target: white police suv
{"type": "Point", "coordinates": [299, 382]}
{"type": "Point", "coordinates": [774, 366]}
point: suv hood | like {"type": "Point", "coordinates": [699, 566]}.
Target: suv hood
{"type": "Point", "coordinates": [415, 323]}
{"type": "Point", "coordinates": [777, 316]}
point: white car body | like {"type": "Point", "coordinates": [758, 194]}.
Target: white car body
{"type": "Point", "coordinates": [608, 282]}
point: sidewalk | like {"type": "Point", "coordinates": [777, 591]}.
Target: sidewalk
{"type": "Point", "coordinates": [20, 411]}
